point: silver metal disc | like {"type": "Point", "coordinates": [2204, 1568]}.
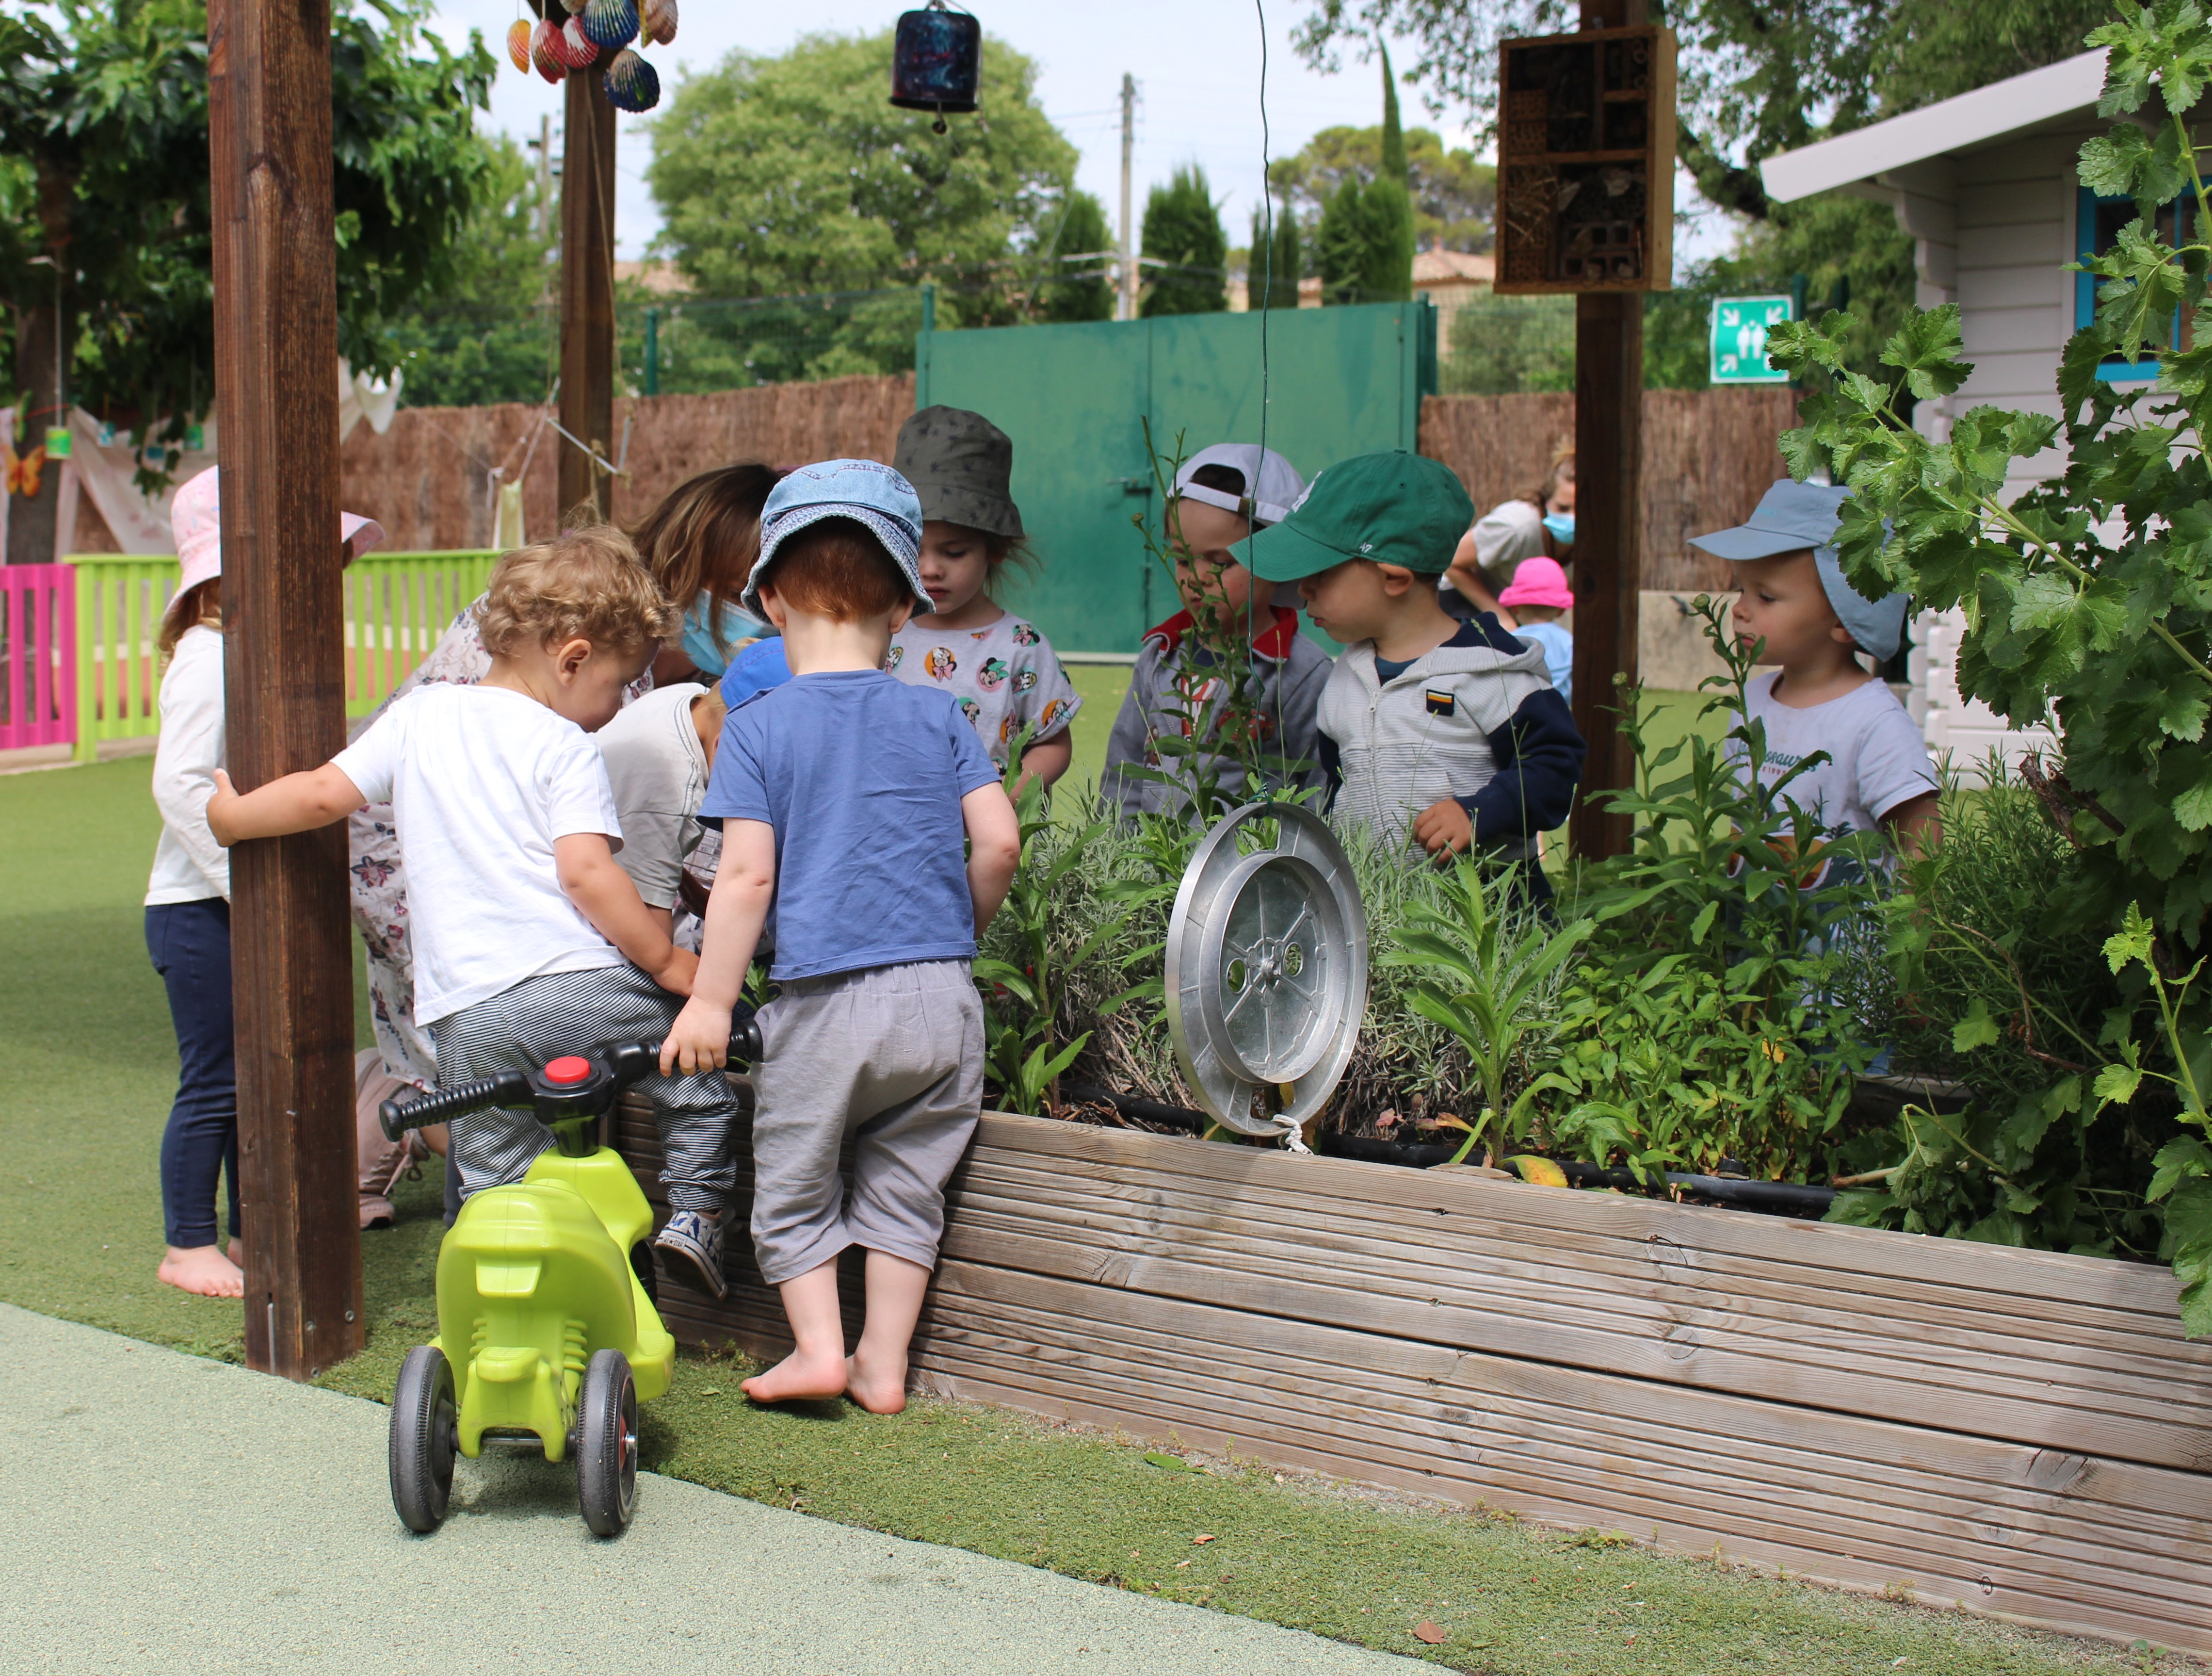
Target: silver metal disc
{"type": "Point", "coordinates": [1266, 968]}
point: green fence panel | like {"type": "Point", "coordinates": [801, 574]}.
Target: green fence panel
{"type": "Point", "coordinates": [397, 607]}
{"type": "Point", "coordinates": [1075, 398]}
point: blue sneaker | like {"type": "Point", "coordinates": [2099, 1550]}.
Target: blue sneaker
{"type": "Point", "coordinates": [698, 1240]}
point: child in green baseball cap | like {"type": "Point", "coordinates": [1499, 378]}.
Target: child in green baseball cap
{"type": "Point", "coordinates": [1435, 733]}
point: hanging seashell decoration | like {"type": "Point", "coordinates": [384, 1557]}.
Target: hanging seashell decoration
{"type": "Point", "coordinates": [576, 45]}
{"type": "Point", "coordinates": [611, 24]}
{"type": "Point", "coordinates": [632, 84]}
{"type": "Point", "coordinates": [574, 6]}
{"type": "Point", "coordinates": [546, 52]}
{"type": "Point", "coordinates": [656, 21]}
{"type": "Point", "coordinates": [518, 45]}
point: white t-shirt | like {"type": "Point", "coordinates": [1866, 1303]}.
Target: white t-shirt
{"type": "Point", "coordinates": [1877, 760]}
{"type": "Point", "coordinates": [480, 781]}
{"type": "Point", "coordinates": [1005, 676]}
{"type": "Point", "coordinates": [189, 865]}
{"type": "Point", "coordinates": [658, 770]}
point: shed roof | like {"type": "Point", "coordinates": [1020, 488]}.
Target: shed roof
{"type": "Point", "coordinates": [2068, 89]}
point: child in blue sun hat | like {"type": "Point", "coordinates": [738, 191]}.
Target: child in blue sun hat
{"type": "Point", "coordinates": [845, 799]}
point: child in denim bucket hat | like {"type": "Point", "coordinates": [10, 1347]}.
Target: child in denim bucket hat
{"type": "Point", "coordinates": [844, 797]}
{"type": "Point", "coordinates": [1795, 597]}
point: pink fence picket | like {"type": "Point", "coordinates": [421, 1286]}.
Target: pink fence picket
{"type": "Point", "coordinates": [38, 655]}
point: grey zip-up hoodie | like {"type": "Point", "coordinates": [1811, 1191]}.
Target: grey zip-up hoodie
{"type": "Point", "coordinates": [1170, 676]}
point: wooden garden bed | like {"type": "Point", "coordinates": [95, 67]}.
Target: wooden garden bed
{"type": "Point", "coordinates": [2018, 1433]}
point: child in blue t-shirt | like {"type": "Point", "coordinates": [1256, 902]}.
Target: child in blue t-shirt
{"type": "Point", "coordinates": [845, 796]}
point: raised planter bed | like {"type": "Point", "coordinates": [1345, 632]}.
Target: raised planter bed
{"type": "Point", "coordinates": [2018, 1433]}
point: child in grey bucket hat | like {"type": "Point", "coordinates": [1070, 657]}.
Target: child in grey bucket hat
{"type": "Point", "coordinates": [1793, 595]}
{"type": "Point", "coordinates": [999, 667]}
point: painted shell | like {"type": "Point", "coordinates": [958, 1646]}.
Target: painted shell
{"type": "Point", "coordinates": [518, 44]}
{"type": "Point", "coordinates": [656, 21]}
{"type": "Point", "coordinates": [574, 6]}
{"type": "Point", "coordinates": [611, 24]}
{"type": "Point", "coordinates": [576, 45]}
{"type": "Point", "coordinates": [632, 84]}
{"type": "Point", "coordinates": [546, 52]}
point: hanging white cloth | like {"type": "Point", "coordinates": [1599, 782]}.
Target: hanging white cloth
{"type": "Point", "coordinates": [105, 470]}
{"type": "Point", "coordinates": [360, 397]}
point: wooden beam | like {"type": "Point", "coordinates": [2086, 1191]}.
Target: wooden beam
{"type": "Point", "coordinates": [587, 295]}
{"type": "Point", "coordinates": [1609, 503]}
{"type": "Point", "coordinates": [275, 380]}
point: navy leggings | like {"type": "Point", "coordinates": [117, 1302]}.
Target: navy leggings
{"type": "Point", "coordinates": [190, 942]}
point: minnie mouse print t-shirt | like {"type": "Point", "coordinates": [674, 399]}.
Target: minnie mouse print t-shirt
{"type": "Point", "coordinates": [1003, 674]}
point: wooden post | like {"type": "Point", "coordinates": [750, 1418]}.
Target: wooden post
{"type": "Point", "coordinates": [1608, 518]}
{"type": "Point", "coordinates": [587, 295]}
{"type": "Point", "coordinates": [275, 380]}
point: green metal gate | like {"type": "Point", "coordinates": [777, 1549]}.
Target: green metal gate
{"type": "Point", "coordinates": [1074, 399]}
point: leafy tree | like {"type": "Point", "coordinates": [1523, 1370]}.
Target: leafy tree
{"type": "Point", "coordinates": [1080, 282]}
{"type": "Point", "coordinates": [1454, 198]}
{"type": "Point", "coordinates": [103, 117]}
{"type": "Point", "coordinates": [795, 174]}
{"type": "Point", "coordinates": [1273, 268]}
{"type": "Point", "coordinates": [1184, 231]}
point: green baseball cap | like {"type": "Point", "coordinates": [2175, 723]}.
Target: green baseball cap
{"type": "Point", "coordinates": [1395, 508]}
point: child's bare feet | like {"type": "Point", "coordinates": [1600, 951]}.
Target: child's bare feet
{"type": "Point", "coordinates": [878, 1389]}
{"type": "Point", "coordinates": [203, 1269]}
{"type": "Point", "coordinates": [798, 1377]}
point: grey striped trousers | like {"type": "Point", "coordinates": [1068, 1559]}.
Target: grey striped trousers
{"type": "Point", "coordinates": [580, 1011]}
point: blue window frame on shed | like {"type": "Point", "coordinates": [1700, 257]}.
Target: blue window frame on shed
{"type": "Point", "coordinates": [2096, 229]}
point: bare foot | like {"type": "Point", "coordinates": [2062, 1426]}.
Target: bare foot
{"type": "Point", "coordinates": [880, 1390]}
{"type": "Point", "coordinates": [203, 1269]}
{"type": "Point", "coordinates": [797, 1379]}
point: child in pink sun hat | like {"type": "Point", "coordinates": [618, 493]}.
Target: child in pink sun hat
{"type": "Point", "coordinates": [188, 898]}
{"type": "Point", "coordinates": [1538, 596]}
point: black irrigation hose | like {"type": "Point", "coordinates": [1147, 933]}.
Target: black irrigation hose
{"type": "Point", "coordinates": [1725, 1189]}
{"type": "Point", "coordinates": [1129, 1105]}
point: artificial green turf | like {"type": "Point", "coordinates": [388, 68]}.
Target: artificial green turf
{"type": "Point", "coordinates": [84, 1032]}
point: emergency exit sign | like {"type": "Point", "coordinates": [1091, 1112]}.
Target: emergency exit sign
{"type": "Point", "coordinates": [1740, 327]}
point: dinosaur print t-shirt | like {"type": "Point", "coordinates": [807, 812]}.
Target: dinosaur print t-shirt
{"type": "Point", "coordinates": [1003, 674]}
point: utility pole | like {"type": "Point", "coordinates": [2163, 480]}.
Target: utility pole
{"type": "Point", "coordinates": [1128, 309]}
{"type": "Point", "coordinates": [276, 343]}
{"type": "Point", "coordinates": [587, 294]}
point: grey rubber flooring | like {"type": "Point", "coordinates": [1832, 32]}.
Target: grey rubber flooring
{"type": "Point", "coordinates": [161, 1512]}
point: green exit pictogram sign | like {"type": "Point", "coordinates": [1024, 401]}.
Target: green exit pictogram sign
{"type": "Point", "coordinates": [1740, 327]}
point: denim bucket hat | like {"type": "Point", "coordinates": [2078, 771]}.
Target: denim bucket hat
{"type": "Point", "coordinates": [1793, 516]}
{"type": "Point", "coordinates": [868, 492]}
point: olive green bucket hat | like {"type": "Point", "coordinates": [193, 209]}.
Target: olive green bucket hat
{"type": "Point", "coordinates": [961, 464]}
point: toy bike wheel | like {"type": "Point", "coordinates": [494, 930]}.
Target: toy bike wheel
{"type": "Point", "coordinates": [606, 1444]}
{"type": "Point", "coordinates": [423, 1440]}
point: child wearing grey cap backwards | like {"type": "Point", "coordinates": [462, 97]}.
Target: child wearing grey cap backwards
{"type": "Point", "coordinates": [1795, 597]}
{"type": "Point", "coordinates": [844, 797]}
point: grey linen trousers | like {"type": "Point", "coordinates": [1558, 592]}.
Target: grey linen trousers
{"type": "Point", "coordinates": [580, 1011]}
{"type": "Point", "coordinates": [891, 1056]}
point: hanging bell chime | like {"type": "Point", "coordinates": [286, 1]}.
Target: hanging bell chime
{"type": "Point", "coordinates": [937, 61]}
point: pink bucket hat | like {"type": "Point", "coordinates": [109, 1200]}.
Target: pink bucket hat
{"type": "Point", "coordinates": [195, 521]}
{"type": "Point", "coordinates": [1539, 581]}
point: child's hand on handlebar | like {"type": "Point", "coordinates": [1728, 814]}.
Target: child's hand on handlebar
{"type": "Point", "coordinates": [699, 1040]}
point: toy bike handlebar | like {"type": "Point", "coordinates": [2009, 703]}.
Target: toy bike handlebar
{"type": "Point", "coordinates": [612, 1069]}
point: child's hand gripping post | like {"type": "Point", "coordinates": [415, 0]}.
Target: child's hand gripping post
{"type": "Point", "coordinates": [291, 803]}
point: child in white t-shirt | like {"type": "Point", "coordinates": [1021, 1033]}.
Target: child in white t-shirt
{"type": "Point", "coordinates": [528, 938]}
{"type": "Point", "coordinates": [1793, 596]}
{"type": "Point", "coordinates": [1002, 671]}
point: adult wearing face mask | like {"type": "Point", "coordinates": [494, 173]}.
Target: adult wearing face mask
{"type": "Point", "coordinates": [1541, 525]}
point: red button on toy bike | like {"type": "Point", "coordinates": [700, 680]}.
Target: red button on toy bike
{"type": "Point", "coordinates": [567, 1070]}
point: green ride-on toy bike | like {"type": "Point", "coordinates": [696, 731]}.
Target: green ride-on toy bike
{"type": "Point", "coordinates": [547, 1326]}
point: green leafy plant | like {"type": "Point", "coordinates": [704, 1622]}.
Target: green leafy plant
{"type": "Point", "coordinates": [1482, 971]}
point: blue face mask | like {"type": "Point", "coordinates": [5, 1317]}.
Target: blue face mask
{"type": "Point", "coordinates": [699, 624]}
{"type": "Point", "coordinates": [1562, 526]}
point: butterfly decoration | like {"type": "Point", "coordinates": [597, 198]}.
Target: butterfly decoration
{"type": "Point", "coordinates": [23, 470]}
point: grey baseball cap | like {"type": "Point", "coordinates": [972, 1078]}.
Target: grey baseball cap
{"type": "Point", "coordinates": [960, 467]}
{"type": "Point", "coordinates": [867, 491]}
{"type": "Point", "coordinates": [1791, 517]}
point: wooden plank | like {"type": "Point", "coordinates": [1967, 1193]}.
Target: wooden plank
{"type": "Point", "coordinates": [276, 342]}
{"type": "Point", "coordinates": [1608, 547]}
{"type": "Point", "coordinates": [587, 293]}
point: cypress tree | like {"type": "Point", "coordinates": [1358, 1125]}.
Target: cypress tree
{"type": "Point", "coordinates": [1182, 229]}
{"type": "Point", "coordinates": [1390, 201]}
{"type": "Point", "coordinates": [1344, 248]}
{"type": "Point", "coordinates": [1082, 233]}
{"type": "Point", "coordinates": [1273, 279]}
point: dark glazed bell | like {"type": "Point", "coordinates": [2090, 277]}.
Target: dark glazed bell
{"type": "Point", "coordinates": [937, 61]}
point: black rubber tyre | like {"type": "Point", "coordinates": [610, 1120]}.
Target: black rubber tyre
{"type": "Point", "coordinates": [424, 1426]}
{"type": "Point", "coordinates": [606, 1444]}
{"type": "Point", "coordinates": [648, 1276]}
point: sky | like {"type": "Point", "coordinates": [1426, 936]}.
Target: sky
{"type": "Point", "coordinates": [1197, 65]}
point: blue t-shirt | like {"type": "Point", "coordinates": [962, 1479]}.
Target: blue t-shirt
{"type": "Point", "coordinates": [1559, 649]}
{"type": "Point", "coordinates": [862, 776]}
{"type": "Point", "coordinates": [758, 668]}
